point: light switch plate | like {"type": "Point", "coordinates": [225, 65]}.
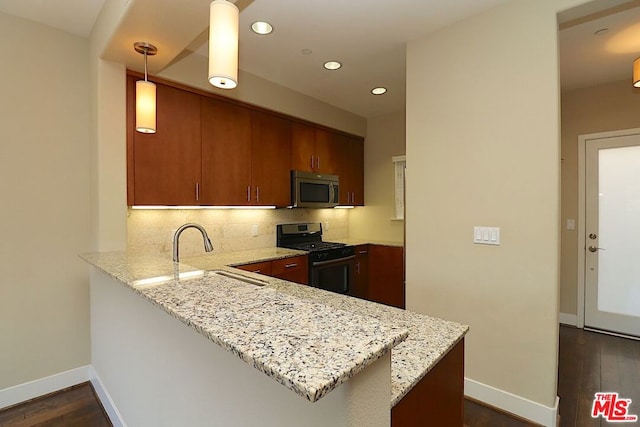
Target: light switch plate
{"type": "Point", "coordinates": [486, 235]}
{"type": "Point", "coordinates": [255, 230]}
{"type": "Point", "coordinates": [571, 224]}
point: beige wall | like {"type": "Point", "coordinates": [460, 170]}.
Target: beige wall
{"type": "Point", "coordinates": [192, 71]}
{"type": "Point", "coordinates": [603, 108]}
{"type": "Point", "coordinates": [385, 139]}
{"type": "Point", "coordinates": [44, 183]}
{"type": "Point", "coordinates": [483, 149]}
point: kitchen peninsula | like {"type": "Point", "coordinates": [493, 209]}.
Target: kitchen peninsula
{"type": "Point", "coordinates": [341, 360]}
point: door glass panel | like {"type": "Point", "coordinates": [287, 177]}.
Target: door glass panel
{"type": "Point", "coordinates": [619, 229]}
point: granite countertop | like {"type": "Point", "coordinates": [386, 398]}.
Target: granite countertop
{"type": "Point", "coordinates": [356, 242]}
{"type": "Point", "coordinates": [307, 346]}
{"type": "Point", "coordinates": [283, 324]}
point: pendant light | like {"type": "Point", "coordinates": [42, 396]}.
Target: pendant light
{"type": "Point", "coordinates": [145, 93]}
{"type": "Point", "coordinates": [223, 44]}
{"type": "Point", "coordinates": [636, 72]}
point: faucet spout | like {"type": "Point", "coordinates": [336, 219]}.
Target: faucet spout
{"type": "Point", "coordinates": [208, 247]}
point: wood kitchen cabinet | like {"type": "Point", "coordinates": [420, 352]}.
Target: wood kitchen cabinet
{"type": "Point", "coordinates": [270, 160]}
{"type": "Point", "coordinates": [438, 399]}
{"type": "Point", "coordinates": [164, 168]}
{"type": "Point", "coordinates": [245, 156]}
{"type": "Point", "coordinates": [226, 153]}
{"type": "Point", "coordinates": [360, 288]}
{"type": "Point", "coordinates": [257, 267]}
{"type": "Point", "coordinates": [319, 150]}
{"type": "Point", "coordinates": [293, 269]}
{"type": "Point", "coordinates": [386, 275]}
{"type": "Point", "coordinates": [314, 149]}
{"type": "Point", "coordinates": [351, 170]}
{"type": "Point", "coordinates": [213, 151]}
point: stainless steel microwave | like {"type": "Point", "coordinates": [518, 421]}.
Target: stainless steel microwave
{"type": "Point", "coordinates": [314, 190]}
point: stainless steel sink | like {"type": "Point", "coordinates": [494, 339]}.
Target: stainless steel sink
{"type": "Point", "coordinates": [240, 277]}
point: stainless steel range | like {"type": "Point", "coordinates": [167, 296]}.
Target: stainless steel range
{"type": "Point", "coordinates": [331, 265]}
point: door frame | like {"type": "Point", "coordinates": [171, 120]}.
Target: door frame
{"type": "Point", "coordinates": [582, 188]}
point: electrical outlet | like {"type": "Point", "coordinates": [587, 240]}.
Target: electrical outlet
{"type": "Point", "coordinates": [326, 226]}
{"type": "Point", "coordinates": [255, 230]}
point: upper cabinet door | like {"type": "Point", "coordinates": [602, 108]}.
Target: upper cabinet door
{"type": "Point", "coordinates": [314, 149]}
{"type": "Point", "coordinates": [356, 182]}
{"type": "Point", "coordinates": [166, 164]}
{"type": "Point", "coordinates": [226, 153]}
{"type": "Point", "coordinates": [303, 145]}
{"type": "Point", "coordinates": [270, 160]}
{"type": "Point", "coordinates": [327, 151]}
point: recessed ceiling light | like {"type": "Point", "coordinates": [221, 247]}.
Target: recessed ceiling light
{"type": "Point", "coordinates": [379, 90]}
{"type": "Point", "coordinates": [261, 27]}
{"type": "Point", "coordinates": [601, 32]}
{"type": "Point", "coordinates": [332, 65]}
{"type": "Point", "coordinates": [306, 51]}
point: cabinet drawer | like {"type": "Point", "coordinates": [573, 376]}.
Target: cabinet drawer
{"type": "Point", "coordinates": [292, 269]}
{"type": "Point", "coordinates": [257, 267]}
{"type": "Point", "coordinates": [288, 265]}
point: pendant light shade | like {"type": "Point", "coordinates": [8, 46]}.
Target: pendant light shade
{"type": "Point", "coordinates": [145, 94]}
{"type": "Point", "coordinates": [223, 44]}
{"type": "Point", "coordinates": [636, 72]}
{"type": "Point", "coordinates": [145, 106]}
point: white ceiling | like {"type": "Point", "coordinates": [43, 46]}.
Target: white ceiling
{"type": "Point", "coordinates": [73, 16]}
{"type": "Point", "coordinates": [601, 50]}
{"type": "Point", "coordinates": [367, 36]}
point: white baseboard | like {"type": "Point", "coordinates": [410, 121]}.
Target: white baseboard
{"type": "Point", "coordinates": [105, 399]}
{"type": "Point", "coordinates": [512, 403]}
{"type": "Point", "coordinates": [568, 319]}
{"type": "Point", "coordinates": [32, 389]}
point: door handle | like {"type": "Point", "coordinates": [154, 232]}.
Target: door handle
{"type": "Point", "coordinates": [595, 249]}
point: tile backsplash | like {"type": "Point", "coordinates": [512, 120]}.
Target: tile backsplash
{"type": "Point", "coordinates": [151, 231]}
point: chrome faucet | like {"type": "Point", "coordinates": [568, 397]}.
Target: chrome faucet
{"type": "Point", "coordinates": [176, 237]}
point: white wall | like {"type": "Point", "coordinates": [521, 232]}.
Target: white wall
{"type": "Point", "coordinates": [385, 139]}
{"type": "Point", "coordinates": [44, 183]}
{"type": "Point", "coordinates": [483, 149]}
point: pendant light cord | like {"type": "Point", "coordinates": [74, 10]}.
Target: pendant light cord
{"type": "Point", "coordinates": [145, 65]}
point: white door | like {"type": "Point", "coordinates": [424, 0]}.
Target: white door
{"type": "Point", "coordinates": [612, 234]}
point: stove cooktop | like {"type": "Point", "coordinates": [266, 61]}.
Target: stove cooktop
{"type": "Point", "coordinates": [315, 246]}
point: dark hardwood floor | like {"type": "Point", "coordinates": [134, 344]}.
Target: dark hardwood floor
{"type": "Point", "coordinates": [589, 362]}
{"type": "Point", "coordinates": [76, 406]}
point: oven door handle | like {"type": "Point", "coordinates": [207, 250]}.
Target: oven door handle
{"type": "Point", "coordinates": [332, 261]}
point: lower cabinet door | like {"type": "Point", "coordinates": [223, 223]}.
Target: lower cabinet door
{"type": "Point", "coordinates": [294, 269]}
{"type": "Point", "coordinates": [257, 267]}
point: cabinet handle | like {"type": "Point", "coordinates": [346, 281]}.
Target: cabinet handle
{"type": "Point", "coordinates": [291, 265]}
{"type": "Point", "coordinates": [362, 252]}
{"type": "Point", "coordinates": [358, 267]}
{"type": "Point", "coordinates": [257, 271]}
{"type": "Point", "coordinates": [318, 161]}
{"type": "Point", "coordinates": [312, 159]}
{"type": "Point", "coordinates": [197, 191]}
{"type": "Point", "coordinates": [249, 193]}
{"type": "Point", "coordinates": [257, 194]}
